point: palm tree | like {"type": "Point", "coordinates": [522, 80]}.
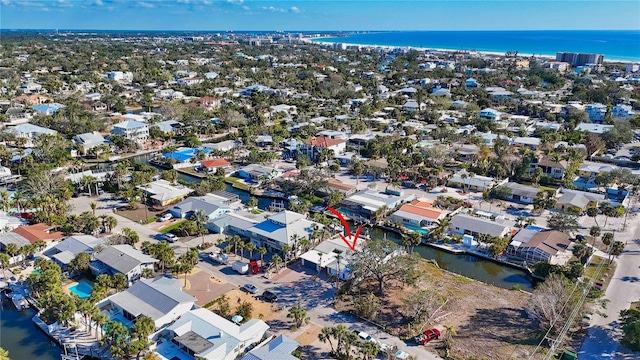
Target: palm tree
{"type": "Point", "coordinates": [200, 218]}
{"type": "Point", "coordinates": [276, 260]}
{"type": "Point", "coordinates": [299, 316]}
{"type": "Point", "coordinates": [5, 199]}
{"type": "Point", "coordinates": [251, 247]}
{"type": "Point", "coordinates": [4, 354]}
{"type": "Point", "coordinates": [12, 249]}
{"type": "Point", "coordinates": [4, 263]}
{"type": "Point", "coordinates": [241, 246]}
{"type": "Point", "coordinates": [440, 229]}
{"type": "Point", "coordinates": [286, 249]}
{"type": "Point", "coordinates": [109, 223]}
{"type": "Point", "coordinates": [93, 206]}
{"type": "Point", "coordinates": [595, 233]}
{"type": "Point", "coordinates": [449, 333]}
{"type": "Point", "coordinates": [40, 245]}
{"type": "Point", "coordinates": [262, 251]}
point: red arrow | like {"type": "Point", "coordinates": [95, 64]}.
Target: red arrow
{"type": "Point", "coordinates": [351, 245]}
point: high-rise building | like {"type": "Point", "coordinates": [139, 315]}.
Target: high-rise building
{"type": "Point", "coordinates": [579, 59]}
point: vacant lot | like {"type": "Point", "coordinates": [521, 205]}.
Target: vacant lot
{"type": "Point", "coordinates": [490, 322]}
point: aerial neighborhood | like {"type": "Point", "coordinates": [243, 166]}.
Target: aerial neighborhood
{"type": "Point", "coordinates": [175, 196]}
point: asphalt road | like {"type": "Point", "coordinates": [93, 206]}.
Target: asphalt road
{"type": "Point", "coordinates": [603, 340]}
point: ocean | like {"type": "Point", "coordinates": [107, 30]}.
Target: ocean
{"type": "Point", "coordinates": [621, 45]}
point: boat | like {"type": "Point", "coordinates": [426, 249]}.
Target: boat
{"type": "Point", "coordinates": [19, 301]}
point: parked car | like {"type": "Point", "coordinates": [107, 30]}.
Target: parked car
{"type": "Point", "coordinates": [427, 335]}
{"type": "Point", "coordinates": [219, 257]}
{"type": "Point", "coordinates": [269, 296]}
{"type": "Point", "coordinates": [250, 288]}
{"type": "Point", "coordinates": [366, 337]}
{"type": "Point", "coordinates": [165, 217]}
{"type": "Point", "coordinates": [169, 237]}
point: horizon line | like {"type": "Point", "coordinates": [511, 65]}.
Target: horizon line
{"type": "Point", "coordinates": [319, 31]}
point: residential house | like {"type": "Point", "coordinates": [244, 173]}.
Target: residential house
{"type": "Point", "coordinates": [39, 231]}
{"type": "Point", "coordinates": [8, 222]}
{"type": "Point", "coordinates": [419, 213]}
{"type": "Point", "coordinates": [521, 193]}
{"type": "Point", "coordinates": [7, 238]}
{"type": "Point", "coordinates": [596, 112]}
{"type": "Point", "coordinates": [527, 142]}
{"type": "Point", "coordinates": [133, 130]}
{"type": "Point", "coordinates": [280, 348]}
{"type": "Point", "coordinates": [226, 145]}
{"type": "Point", "coordinates": [622, 111]}
{"type": "Point", "coordinates": [333, 255]}
{"type": "Point", "coordinates": [578, 201]}
{"type": "Point", "coordinates": [471, 83]}
{"type": "Point", "coordinates": [190, 81]}
{"type": "Point", "coordinates": [465, 180]}
{"type": "Point", "coordinates": [549, 246]}
{"type": "Point", "coordinates": [212, 165]}
{"type": "Point", "coordinates": [314, 146]}
{"type": "Point", "coordinates": [123, 259]}
{"type": "Point", "coordinates": [369, 204]}
{"type": "Point", "coordinates": [206, 103]}
{"type": "Point", "coordinates": [549, 167]}
{"type": "Point", "coordinates": [89, 140]}
{"type": "Point", "coordinates": [411, 106]}
{"type": "Point", "coordinates": [593, 128]}
{"type": "Point", "coordinates": [283, 228]}
{"type": "Point", "coordinates": [236, 223]}
{"type": "Point", "coordinates": [264, 140]}
{"type": "Point", "coordinates": [337, 185]}
{"type": "Point", "coordinates": [47, 109]}
{"type": "Point", "coordinates": [163, 193]}
{"type": "Point", "coordinates": [63, 252]}
{"type": "Point", "coordinates": [465, 224]}
{"type": "Point", "coordinates": [120, 76]}
{"type": "Point", "coordinates": [591, 169]}
{"type": "Point", "coordinates": [17, 116]}
{"type": "Point", "coordinates": [490, 114]}
{"type": "Point", "coordinates": [360, 141]}
{"type": "Point", "coordinates": [29, 132]}
{"type": "Point", "coordinates": [203, 334]}
{"type": "Point", "coordinates": [161, 299]}
{"type": "Point", "coordinates": [257, 172]}
{"type": "Point", "coordinates": [168, 126]}
{"type": "Point", "coordinates": [211, 205]}
{"type": "Point", "coordinates": [35, 99]}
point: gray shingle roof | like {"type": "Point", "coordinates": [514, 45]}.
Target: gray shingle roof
{"type": "Point", "coordinates": [152, 297]}
{"type": "Point", "coordinates": [123, 258]}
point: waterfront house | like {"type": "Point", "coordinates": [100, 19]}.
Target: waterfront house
{"type": "Point", "coordinates": [89, 140]}
{"type": "Point", "coordinates": [418, 213]}
{"type": "Point", "coordinates": [211, 205]}
{"type": "Point", "coordinates": [549, 246]}
{"type": "Point", "coordinates": [258, 173]}
{"type": "Point", "coordinates": [369, 204]}
{"type": "Point", "coordinates": [133, 130]}
{"type": "Point", "coordinates": [161, 299]}
{"type": "Point", "coordinates": [226, 145]}
{"type": "Point", "coordinates": [9, 222]}
{"type": "Point", "coordinates": [333, 255]}
{"type": "Point", "coordinates": [464, 180]}
{"type": "Point", "coordinates": [163, 193]}
{"type": "Point", "coordinates": [337, 185]}
{"type": "Point", "coordinates": [7, 238]}
{"type": "Point", "coordinates": [591, 169]}
{"type": "Point", "coordinates": [63, 252]}
{"type": "Point", "coordinates": [283, 228]}
{"type": "Point", "coordinates": [168, 126]}
{"type": "Point", "coordinates": [212, 165]}
{"type": "Point", "coordinates": [279, 348]}
{"type": "Point", "coordinates": [123, 259]}
{"type": "Point", "coordinates": [465, 224]}
{"type": "Point", "coordinates": [202, 334]}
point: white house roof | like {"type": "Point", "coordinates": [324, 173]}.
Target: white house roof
{"type": "Point", "coordinates": [475, 180]}
{"type": "Point", "coordinates": [282, 226]}
{"type": "Point", "coordinates": [215, 336]}
{"type": "Point", "coordinates": [279, 348]}
{"type": "Point", "coordinates": [593, 128]}
{"type": "Point", "coordinates": [152, 297]}
{"type": "Point", "coordinates": [162, 190]}
{"type": "Point", "coordinates": [478, 225]}
{"type": "Point", "coordinates": [129, 124]}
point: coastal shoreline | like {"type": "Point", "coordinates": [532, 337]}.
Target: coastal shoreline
{"type": "Point", "coordinates": [322, 40]}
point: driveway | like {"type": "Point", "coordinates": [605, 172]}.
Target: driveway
{"type": "Point", "coordinates": [603, 340]}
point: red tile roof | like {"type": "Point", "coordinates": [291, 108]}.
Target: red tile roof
{"type": "Point", "coordinates": [323, 141]}
{"type": "Point", "coordinates": [38, 232]}
{"type": "Point", "coordinates": [427, 212]}
{"type": "Point", "coordinates": [214, 163]}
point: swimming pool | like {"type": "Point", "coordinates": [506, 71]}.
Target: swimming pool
{"type": "Point", "coordinates": [82, 289]}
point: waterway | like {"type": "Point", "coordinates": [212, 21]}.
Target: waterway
{"type": "Point", "coordinates": [21, 337]}
{"type": "Point", "coordinates": [467, 265]}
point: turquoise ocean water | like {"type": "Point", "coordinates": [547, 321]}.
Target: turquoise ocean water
{"type": "Point", "coordinates": [614, 44]}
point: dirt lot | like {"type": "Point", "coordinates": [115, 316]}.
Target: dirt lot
{"type": "Point", "coordinates": [268, 310]}
{"type": "Point", "coordinates": [490, 322]}
{"type": "Point", "coordinates": [139, 214]}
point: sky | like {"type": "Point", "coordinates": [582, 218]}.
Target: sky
{"type": "Point", "coordinates": [320, 15]}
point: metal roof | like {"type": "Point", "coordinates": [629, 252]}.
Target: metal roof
{"type": "Point", "coordinates": [152, 297]}
{"type": "Point", "coordinates": [123, 258]}
{"type": "Point", "coordinates": [279, 348]}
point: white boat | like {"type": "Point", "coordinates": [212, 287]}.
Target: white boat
{"type": "Point", "coordinates": [19, 301]}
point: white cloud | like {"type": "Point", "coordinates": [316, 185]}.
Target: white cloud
{"type": "Point", "coordinates": [183, 1]}
{"type": "Point", "coordinates": [273, 9]}
{"type": "Point", "coordinates": [64, 3]}
{"type": "Point", "coordinates": [99, 3]}
{"type": "Point", "coordinates": [5, 2]}
{"type": "Point", "coordinates": [295, 9]}
{"type": "Point", "coordinates": [206, 2]}
{"type": "Point", "coordinates": [235, 2]}
{"type": "Point", "coordinates": [245, 7]}
{"type": "Point", "coordinates": [145, 4]}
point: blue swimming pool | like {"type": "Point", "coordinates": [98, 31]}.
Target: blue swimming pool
{"type": "Point", "coordinates": [82, 289]}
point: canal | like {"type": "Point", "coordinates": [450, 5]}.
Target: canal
{"type": "Point", "coordinates": [467, 265]}
{"type": "Point", "coordinates": [21, 337]}
{"type": "Point", "coordinates": [471, 266]}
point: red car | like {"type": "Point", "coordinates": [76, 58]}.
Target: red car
{"type": "Point", "coordinates": [254, 266]}
{"type": "Point", "coordinates": [427, 335]}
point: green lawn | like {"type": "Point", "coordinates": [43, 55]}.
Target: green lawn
{"type": "Point", "coordinates": [172, 226]}
{"type": "Point", "coordinates": [591, 269]}
{"type": "Point", "coordinates": [237, 182]}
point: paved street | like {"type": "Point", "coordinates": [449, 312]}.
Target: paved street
{"type": "Point", "coordinates": [603, 340]}
{"type": "Point", "coordinates": [301, 285]}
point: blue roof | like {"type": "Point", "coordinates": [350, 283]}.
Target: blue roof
{"type": "Point", "coordinates": [48, 108]}
{"type": "Point", "coordinates": [177, 156]}
{"type": "Point", "coordinates": [130, 124]}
